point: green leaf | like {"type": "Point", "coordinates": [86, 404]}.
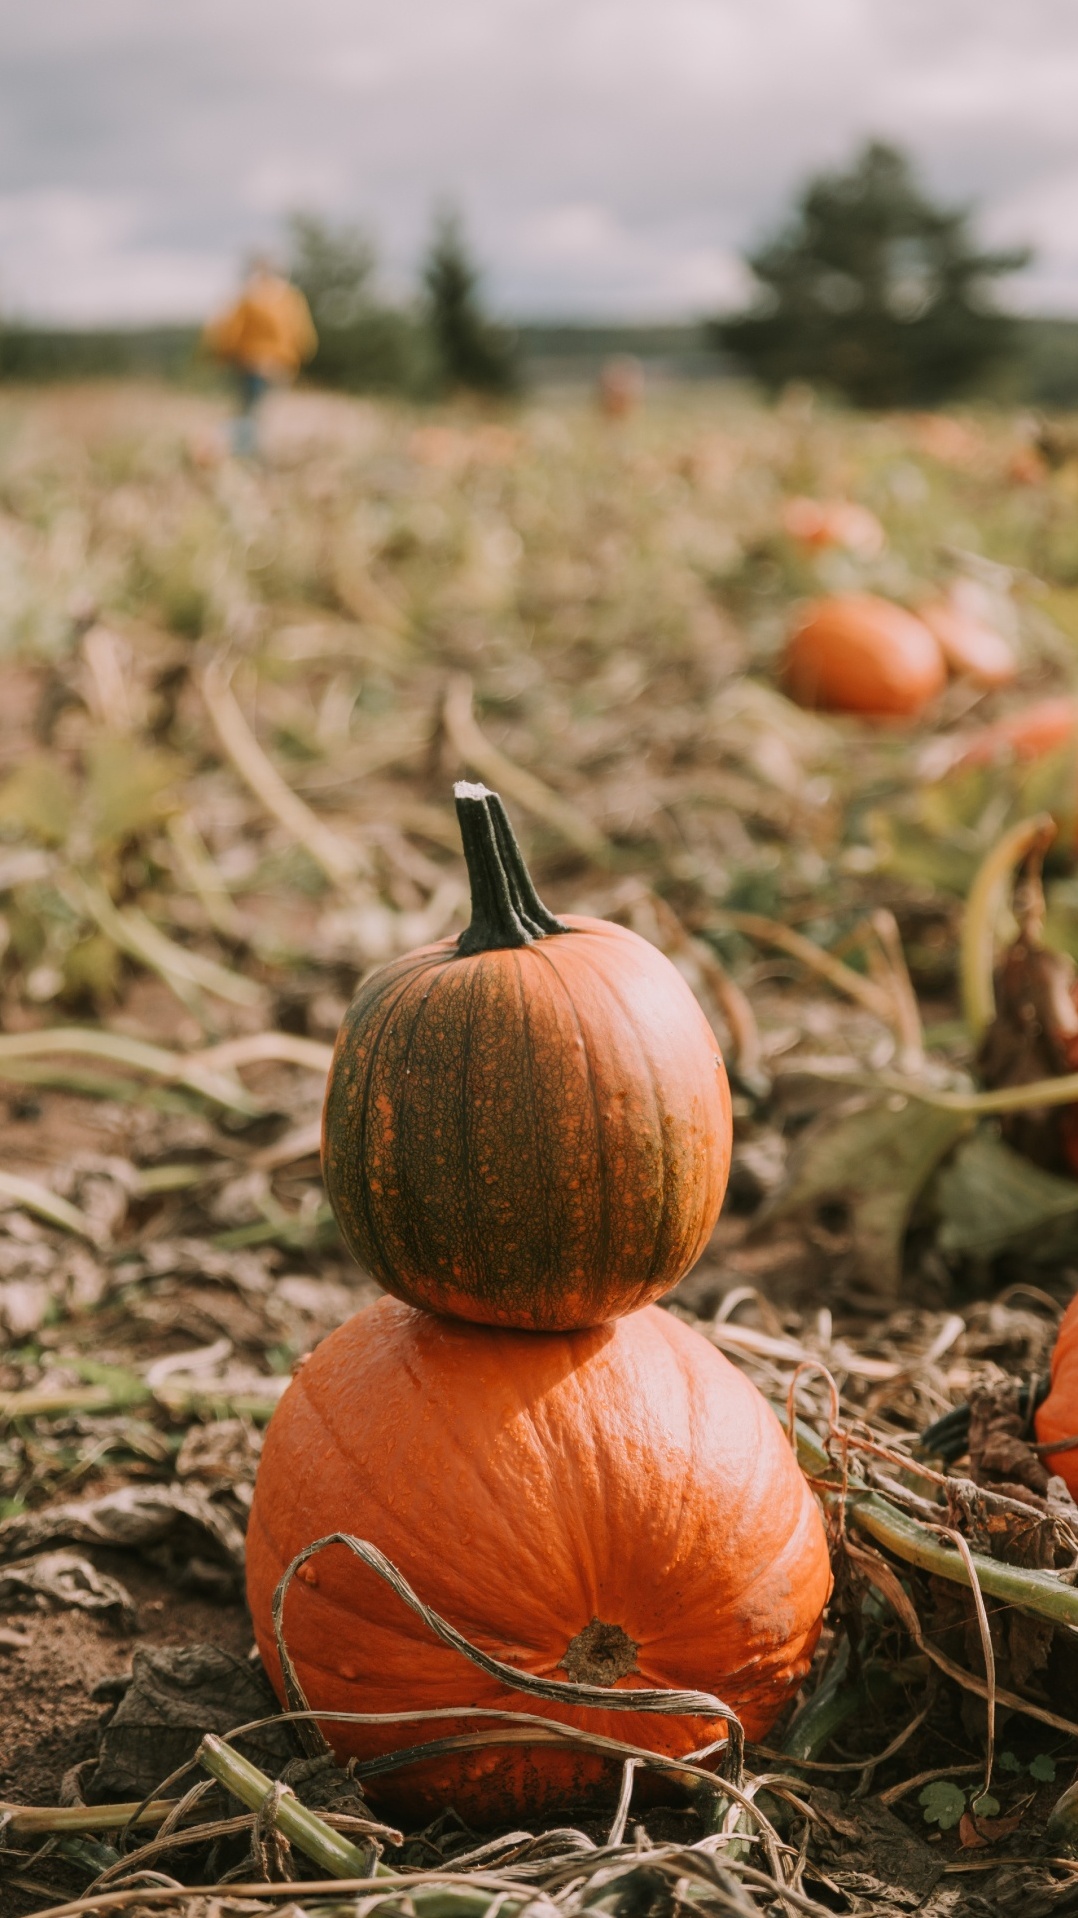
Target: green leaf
{"type": "Point", "coordinates": [1008, 1762]}
{"type": "Point", "coordinates": [127, 1387]}
{"type": "Point", "coordinates": [873, 1161]}
{"type": "Point", "coordinates": [985, 1806]}
{"type": "Point", "coordinates": [92, 966]}
{"type": "Point", "coordinates": [128, 788]}
{"type": "Point", "coordinates": [93, 1854]}
{"type": "Point", "coordinates": [990, 1198]}
{"type": "Point", "coordinates": [1042, 1768]}
{"type": "Point", "coordinates": [40, 798]}
{"type": "Point", "coordinates": [943, 1803]}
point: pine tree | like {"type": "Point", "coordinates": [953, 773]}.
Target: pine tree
{"type": "Point", "coordinates": [472, 351]}
{"type": "Point", "coordinates": [873, 290]}
{"type": "Point", "coordinates": [363, 344]}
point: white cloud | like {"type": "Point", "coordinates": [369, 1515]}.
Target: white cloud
{"type": "Point", "coordinates": [73, 257]}
{"type": "Point", "coordinates": [281, 183]}
{"type": "Point", "coordinates": [607, 154]}
{"type": "Point", "coordinates": [614, 269]}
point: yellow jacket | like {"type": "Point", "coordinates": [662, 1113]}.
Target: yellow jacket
{"type": "Point", "coordinates": [268, 331]}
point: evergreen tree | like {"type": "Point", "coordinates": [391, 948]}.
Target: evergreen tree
{"type": "Point", "coordinates": [363, 345]}
{"type": "Point", "coordinates": [472, 351]}
{"type": "Point", "coordinates": [873, 290]}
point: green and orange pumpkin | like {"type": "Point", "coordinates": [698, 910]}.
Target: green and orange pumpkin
{"type": "Point", "coordinates": [617, 1506]}
{"type": "Point", "coordinates": [529, 1125]}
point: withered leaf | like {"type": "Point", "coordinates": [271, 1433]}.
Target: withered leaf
{"type": "Point", "coordinates": [873, 1160]}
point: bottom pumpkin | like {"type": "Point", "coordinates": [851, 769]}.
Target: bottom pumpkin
{"type": "Point", "coordinates": [616, 1506]}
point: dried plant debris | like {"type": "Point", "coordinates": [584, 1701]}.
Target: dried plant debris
{"type": "Point", "coordinates": [65, 1578]}
{"type": "Point", "coordinates": [235, 701]}
{"type": "Point", "coordinates": [170, 1700]}
{"type": "Point", "coordinates": [179, 1527]}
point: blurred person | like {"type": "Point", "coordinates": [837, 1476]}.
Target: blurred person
{"type": "Point", "coordinates": [265, 337]}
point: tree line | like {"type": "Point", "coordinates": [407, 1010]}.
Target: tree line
{"type": "Point", "coordinates": [870, 290]}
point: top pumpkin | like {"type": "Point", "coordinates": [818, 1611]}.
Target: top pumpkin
{"type": "Point", "coordinates": [529, 1125]}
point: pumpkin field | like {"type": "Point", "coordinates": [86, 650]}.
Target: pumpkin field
{"type": "Point", "coordinates": [639, 1440]}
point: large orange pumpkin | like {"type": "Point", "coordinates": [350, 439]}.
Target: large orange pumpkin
{"type": "Point", "coordinates": [856, 653]}
{"type": "Point", "coordinates": [529, 1125]}
{"type": "Point", "coordinates": [618, 1506]}
{"type": "Point", "coordinates": [1057, 1418]}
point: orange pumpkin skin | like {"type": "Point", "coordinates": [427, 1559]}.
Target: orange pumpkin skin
{"type": "Point", "coordinates": [1057, 1418]}
{"type": "Point", "coordinates": [855, 653]}
{"type": "Point", "coordinates": [537, 1136]}
{"type": "Point", "coordinates": [969, 646]}
{"type": "Point", "coordinates": [528, 1485]}
{"type": "Point", "coordinates": [1029, 734]}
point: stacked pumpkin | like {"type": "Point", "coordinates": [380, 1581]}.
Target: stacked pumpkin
{"type": "Point", "coordinates": [526, 1140]}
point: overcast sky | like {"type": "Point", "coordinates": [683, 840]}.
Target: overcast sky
{"type": "Point", "coordinates": [611, 157]}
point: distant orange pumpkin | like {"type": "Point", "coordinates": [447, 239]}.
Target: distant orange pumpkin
{"type": "Point", "coordinates": [856, 653]}
{"type": "Point", "coordinates": [621, 386]}
{"type": "Point", "coordinates": [1031, 733]}
{"type": "Point", "coordinates": [834, 522]}
{"type": "Point", "coordinates": [971, 648]}
{"type": "Point", "coordinates": [1026, 467]}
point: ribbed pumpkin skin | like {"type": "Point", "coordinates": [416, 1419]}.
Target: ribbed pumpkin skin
{"type": "Point", "coordinates": [855, 653]}
{"type": "Point", "coordinates": [1057, 1418]}
{"type": "Point", "coordinates": [537, 1137]}
{"type": "Point", "coordinates": [527, 1484]}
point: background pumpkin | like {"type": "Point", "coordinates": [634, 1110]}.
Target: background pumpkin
{"type": "Point", "coordinates": [968, 645]}
{"type": "Point", "coordinates": [616, 1505]}
{"type": "Point", "coordinates": [834, 522]}
{"type": "Point", "coordinates": [856, 653]}
{"type": "Point", "coordinates": [529, 1125]}
{"type": "Point", "coordinates": [1031, 733]}
{"type": "Point", "coordinates": [1057, 1418]}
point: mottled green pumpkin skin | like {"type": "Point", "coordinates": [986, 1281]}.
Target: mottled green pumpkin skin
{"type": "Point", "coordinates": [537, 1136]}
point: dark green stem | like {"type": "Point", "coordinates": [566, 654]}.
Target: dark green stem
{"type": "Point", "coordinates": [506, 909]}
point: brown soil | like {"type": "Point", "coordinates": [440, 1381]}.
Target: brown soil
{"type": "Point", "coordinates": [48, 1716]}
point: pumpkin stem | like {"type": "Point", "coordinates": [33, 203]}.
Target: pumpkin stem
{"type": "Point", "coordinates": [506, 909]}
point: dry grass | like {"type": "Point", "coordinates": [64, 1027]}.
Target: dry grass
{"type": "Point", "coordinates": [235, 698]}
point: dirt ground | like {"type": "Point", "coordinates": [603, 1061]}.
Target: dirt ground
{"type": "Point", "coordinates": [233, 701]}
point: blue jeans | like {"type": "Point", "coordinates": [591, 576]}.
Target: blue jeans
{"type": "Point", "coordinates": [251, 388]}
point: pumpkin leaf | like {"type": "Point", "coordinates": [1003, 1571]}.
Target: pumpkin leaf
{"type": "Point", "coordinates": [91, 967]}
{"type": "Point", "coordinates": [943, 1802]}
{"type": "Point", "coordinates": [910, 849]}
{"type": "Point", "coordinates": [128, 788]}
{"type": "Point", "coordinates": [990, 1198]}
{"type": "Point", "coordinates": [872, 1161]}
{"type": "Point", "coordinates": [1061, 605]}
{"type": "Point", "coordinates": [40, 798]}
